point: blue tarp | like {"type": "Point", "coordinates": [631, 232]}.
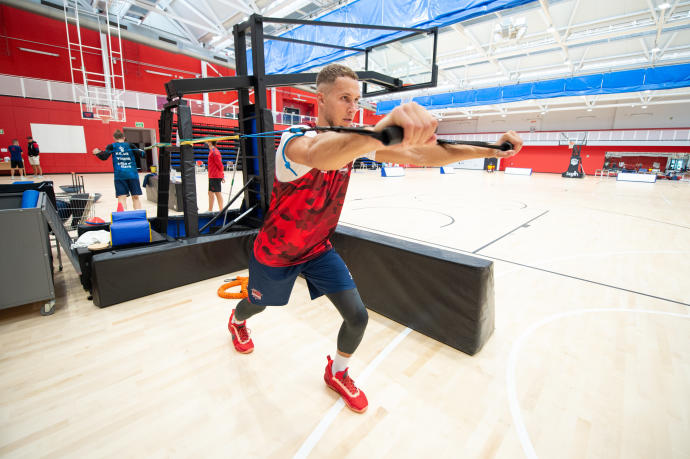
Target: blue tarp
{"type": "Point", "coordinates": [517, 92]}
{"type": "Point", "coordinates": [487, 95]}
{"type": "Point", "coordinates": [668, 77]}
{"type": "Point", "coordinates": [548, 88]}
{"type": "Point", "coordinates": [660, 78]}
{"type": "Point", "coordinates": [462, 99]}
{"type": "Point", "coordinates": [583, 85]}
{"type": "Point", "coordinates": [283, 57]}
{"type": "Point", "coordinates": [442, 100]}
{"type": "Point", "coordinates": [628, 81]}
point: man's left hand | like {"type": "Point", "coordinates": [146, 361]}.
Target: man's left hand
{"type": "Point", "coordinates": [514, 139]}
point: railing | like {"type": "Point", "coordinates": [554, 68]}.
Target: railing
{"type": "Point", "coordinates": [640, 137]}
{"type": "Point", "coordinates": [34, 88]}
{"type": "Point", "coordinates": [292, 119]}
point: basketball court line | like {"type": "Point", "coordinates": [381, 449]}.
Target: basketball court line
{"type": "Point", "coordinates": [525, 441]}
{"type": "Point", "coordinates": [515, 411]}
{"type": "Point", "coordinates": [636, 216]}
{"type": "Point", "coordinates": [326, 421]}
{"type": "Point", "coordinates": [524, 225]}
{"type": "Point", "coordinates": [522, 265]}
{"type": "Point", "coordinates": [452, 220]}
{"type": "Point", "coordinates": [649, 295]}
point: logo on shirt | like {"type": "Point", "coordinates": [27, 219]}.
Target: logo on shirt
{"type": "Point", "coordinates": [256, 294]}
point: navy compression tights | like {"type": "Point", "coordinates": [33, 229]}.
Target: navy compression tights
{"type": "Point", "coordinates": [350, 307]}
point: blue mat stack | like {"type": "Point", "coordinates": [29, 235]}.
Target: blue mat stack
{"type": "Point", "coordinates": [129, 227]}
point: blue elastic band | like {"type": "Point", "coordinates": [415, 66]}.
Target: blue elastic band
{"type": "Point", "coordinates": [287, 163]}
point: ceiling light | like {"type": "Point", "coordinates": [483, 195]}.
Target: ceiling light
{"type": "Point", "coordinates": [551, 29]}
{"type": "Point", "coordinates": [644, 106]}
{"type": "Point", "coordinates": [589, 109]}
{"type": "Point", "coordinates": [503, 115]}
{"type": "Point", "coordinates": [510, 29]}
{"type": "Point", "coordinates": [664, 6]}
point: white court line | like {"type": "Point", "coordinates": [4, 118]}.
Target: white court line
{"type": "Point", "coordinates": [515, 411]}
{"type": "Point", "coordinates": [326, 421]}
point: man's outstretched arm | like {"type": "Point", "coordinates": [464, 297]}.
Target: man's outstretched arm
{"type": "Point", "coordinates": [440, 155]}
{"type": "Point", "coordinates": [333, 150]}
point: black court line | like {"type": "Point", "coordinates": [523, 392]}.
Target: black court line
{"type": "Point", "coordinates": [524, 225]}
{"type": "Point", "coordinates": [452, 220]}
{"type": "Point", "coordinates": [637, 216]}
{"type": "Point", "coordinates": [527, 266]}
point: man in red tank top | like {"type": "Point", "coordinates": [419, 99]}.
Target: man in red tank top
{"type": "Point", "coordinates": [312, 175]}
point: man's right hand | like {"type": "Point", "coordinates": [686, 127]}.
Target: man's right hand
{"type": "Point", "coordinates": [417, 123]}
{"type": "Point", "coordinates": [96, 151]}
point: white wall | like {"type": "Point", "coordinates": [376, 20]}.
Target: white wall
{"type": "Point", "coordinates": [661, 116]}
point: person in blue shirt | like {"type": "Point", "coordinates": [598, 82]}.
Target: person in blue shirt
{"type": "Point", "coordinates": [16, 159]}
{"type": "Point", "coordinates": [125, 168]}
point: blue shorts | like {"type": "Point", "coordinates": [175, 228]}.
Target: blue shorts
{"type": "Point", "coordinates": [271, 286]}
{"type": "Point", "coordinates": [123, 187]}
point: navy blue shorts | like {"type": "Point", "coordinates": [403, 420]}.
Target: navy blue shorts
{"type": "Point", "coordinates": [214, 184]}
{"type": "Point", "coordinates": [271, 286]}
{"type": "Point", "coordinates": [125, 187]}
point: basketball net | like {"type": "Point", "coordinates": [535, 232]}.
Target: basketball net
{"type": "Point", "coordinates": [106, 120]}
{"type": "Point", "coordinates": [571, 144]}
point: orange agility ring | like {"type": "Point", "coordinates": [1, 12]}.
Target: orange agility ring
{"type": "Point", "coordinates": [243, 282]}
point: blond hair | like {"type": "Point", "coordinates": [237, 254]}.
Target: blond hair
{"type": "Point", "coordinates": [332, 72]}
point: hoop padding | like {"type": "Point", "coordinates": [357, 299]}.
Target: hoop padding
{"type": "Point", "coordinates": [243, 282]}
{"type": "Point", "coordinates": [444, 295]}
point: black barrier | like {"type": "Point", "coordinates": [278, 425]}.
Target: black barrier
{"type": "Point", "coordinates": [122, 275]}
{"type": "Point", "coordinates": [46, 187]}
{"type": "Point", "coordinates": [442, 294]}
{"type": "Point", "coordinates": [445, 295]}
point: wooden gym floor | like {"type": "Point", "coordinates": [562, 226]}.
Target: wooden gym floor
{"type": "Point", "coordinates": [590, 357]}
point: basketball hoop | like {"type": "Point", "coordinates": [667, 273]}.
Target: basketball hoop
{"type": "Point", "coordinates": [106, 120]}
{"type": "Point", "coordinates": [571, 144]}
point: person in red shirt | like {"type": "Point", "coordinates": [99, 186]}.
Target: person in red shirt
{"type": "Point", "coordinates": [216, 176]}
{"type": "Point", "coordinates": [311, 179]}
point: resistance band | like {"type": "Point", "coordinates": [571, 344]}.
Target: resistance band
{"type": "Point", "coordinates": [391, 135]}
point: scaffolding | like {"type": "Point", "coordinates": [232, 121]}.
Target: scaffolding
{"type": "Point", "coordinates": [99, 87]}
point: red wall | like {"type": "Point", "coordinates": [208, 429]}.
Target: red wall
{"type": "Point", "coordinates": [49, 35]}
{"type": "Point", "coordinates": [557, 158]}
{"type": "Point", "coordinates": [553, 159]}
{"type": "Point", "coordinates": [17, 114]}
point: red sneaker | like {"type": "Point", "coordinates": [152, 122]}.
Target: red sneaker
{"type": "Point", "coordinates": [240, 336]}
{"type": "Point", "coordinates": [345, 386]}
